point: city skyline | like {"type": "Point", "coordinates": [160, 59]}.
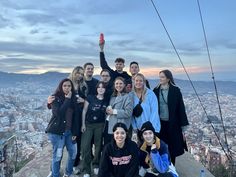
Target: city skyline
{"type": "Point", "coordinates": [36, 37]}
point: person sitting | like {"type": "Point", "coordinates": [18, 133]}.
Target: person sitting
{"type": "Point", "coordinates": [154, 155]}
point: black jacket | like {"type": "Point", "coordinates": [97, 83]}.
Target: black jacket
{"type": "Point", "coordinates": [114, 74]}
{"type": "Point", "coordinates": [57, 123]}
{"type": "Point", "coordinates": [177, 119]}
{"type": "Point", "coordinates": [116, 162]}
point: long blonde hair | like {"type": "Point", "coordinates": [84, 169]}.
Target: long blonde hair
{"type": "Point", "coordinates": [79, 84]}
{"type": "Point", "coordinates": [144, 87]}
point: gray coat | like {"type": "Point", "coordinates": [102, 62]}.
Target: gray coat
{"type": "Point", "coordinates": [124, 106]}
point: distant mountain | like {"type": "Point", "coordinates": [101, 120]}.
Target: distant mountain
{"type": "Point", "coordinates": [53, 78]}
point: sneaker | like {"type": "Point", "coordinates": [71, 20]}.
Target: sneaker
{"type": "Point", "coordinates": [50, 174]}
{"type": "Point", "coordinates": [70, 175]}
{"type": "Point", "coordinates": [95, 171]}
{"type": "Point", "coordinates": [86, 175]}
{"type": "Point", "coordinates": [76, 170]}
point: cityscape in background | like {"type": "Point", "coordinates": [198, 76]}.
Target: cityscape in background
{"type": "Point", "coordinates": [24, 117]}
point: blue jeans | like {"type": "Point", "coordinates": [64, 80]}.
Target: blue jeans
{"type": "Point", "coordinates": [58, 143]}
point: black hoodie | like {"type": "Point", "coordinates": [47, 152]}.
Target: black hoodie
{"type": "Point", "coordinates": [119, 162]}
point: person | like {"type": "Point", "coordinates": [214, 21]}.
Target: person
{"type": "Point", "coordinates": [119, 109]}
{"type": "Point", "coordinates": [154, 156]}
{"type": "Point", "coordinates": [119, 65]}
{"type": "Point", "coordinates": [145, 107]}
{"type": "Point", "coordinates": [172, 114]}
{"type": "Point", "coordinates": [134, 69]}
{"type": "Point", "coordinates": [63, 126]}
{"type": "Point", "coordinates": [89, 79]}
{"type": "Point", "coordinates": [92, 126]}
{"type": "Point", "coordinates": [81, 90]}
{"type": "Point", "coordinates": [106, 78]}
{"type": "Point", "coordinates": [120, 156]}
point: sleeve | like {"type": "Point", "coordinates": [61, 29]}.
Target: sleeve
{"type": "Point", "coordinates": [182, 113]}
{"type": "Point", "coordinates": [105, 164]}
{"type": "Point", "coordinates": [160, 158]}
{"type": "Point", "coordinates": [126, 110]}
{"type": "Point", "coordinates": [154, 114]}
{"type": "Point", "coordinates": [58, 109]}
{"type": "Point", "coordinates": [103, 63]}
{"type": "Point", "coordinates": [134, 163]}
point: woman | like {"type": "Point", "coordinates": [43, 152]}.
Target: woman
{"type": "Point", "coordinates": [119, 109]}
{"type": "Point", "coordinates": [63, 127]}
{"type": "Point", "coordinates": [93, 120]}
{"type": "Point", "coordinates": [120, 156]}
{"type": "Point", "coordinates": [154, 156]}
{"type": "Point", "coordinates": [145, 106]}
{"type": "Point", "coordinates": [172, 114]}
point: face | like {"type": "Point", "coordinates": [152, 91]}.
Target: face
{"type": "Point", "coordinates": [105, 77]}
{"type": "Point", "coordinates": [148, 136]}
{"type": "Point", "coordinates": [163, 78]}
{"type": "Point", "coordinates": [134, 69]}
{"type": "Point", "coordinates": [101, 90]}
{"type": "Point", "coordinates": [119, 135]}
{"type": "Point", "coordinates": [79, 75]}
{"type": "Point", "coordinates": [119, 85]}
{"type": "Point", "coordinates": [66, 87]}
{"type": "Point", "coordinates": [89, 71]}
{"type": "Point", "coordinates": [119, 66]}
{"type": "Point", "coordinates": [128, 88]}
{"type": "Point", "coordinates": [138, 82]}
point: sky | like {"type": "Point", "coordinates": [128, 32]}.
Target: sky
{"type": "Point", "coordinates": [48, 35]}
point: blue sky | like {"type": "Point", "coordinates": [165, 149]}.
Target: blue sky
{"type": "Point", "coordinates": [48, 35]}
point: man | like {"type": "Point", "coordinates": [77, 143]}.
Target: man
{"type": "Point", "coordinates": [119, 65]}
{"type": "Point", "coordinates": [134, 69]}
{"type": "Point", "coordinates": [89, 79]}
{"type": "Point", "coordinates": [106, 78]}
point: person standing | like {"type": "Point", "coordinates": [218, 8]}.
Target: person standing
{"type": "Point", "coordinates": [145, 107]}
{"type": "Point", "coordinates": [172, 114]}
{"type": "Point", "coordinates": [92, 127]}
{"type": "Point", "coordinates": [119, 109]}
{"type": "Point", "coordinates": [119, 65]}
{"type": "Point", "coordinates": [63, 127]}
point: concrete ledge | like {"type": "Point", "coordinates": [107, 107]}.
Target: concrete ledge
{"type": "Point", "coordinates": [186, 165]}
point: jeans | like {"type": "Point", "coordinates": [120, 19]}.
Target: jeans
{"type": "Point", "coordinates": [58, 143]}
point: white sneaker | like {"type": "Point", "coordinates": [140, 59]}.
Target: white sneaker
{"type": "Point", "coordinates": [95, 171]}
{"type": "Point", "coordinates": [86, 175]}
{"type": "Point", "coordinates": [76, 170]}
{"type": "Point", "coordinates": [50, 174]}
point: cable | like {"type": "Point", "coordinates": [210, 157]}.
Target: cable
{"type": "Point", "coordinates": [228, 157]}
{"type": "Point", "coordinates": [213, 77]}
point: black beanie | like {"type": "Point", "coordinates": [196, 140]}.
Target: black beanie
{"type": "Point", "coordinates": [147, 126]}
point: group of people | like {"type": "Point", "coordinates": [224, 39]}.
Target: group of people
{"type": "Point", "coordinates": [118, 125]}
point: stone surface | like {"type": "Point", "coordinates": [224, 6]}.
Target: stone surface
{"type": "Point", "coordinates": [40, 166]}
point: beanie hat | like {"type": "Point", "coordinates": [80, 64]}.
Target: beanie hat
{"type": "Point", "coordinates": [147, 126]}
{"type": "Point", "coordinates": [120, 124]}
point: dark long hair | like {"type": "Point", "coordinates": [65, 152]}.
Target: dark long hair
{"type": "Point", "coordinates": [168, 75]}
{"type": "Point", "coordinates": [59, 91]}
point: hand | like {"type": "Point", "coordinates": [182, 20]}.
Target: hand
{"type": "Point", "coordinates": [135, 138]}
{"type": "Point", "coordinates": [68, 95]}
{"type": "Point", "coordinates": [101, 45]}
{"type": "Point", "coordinates": [83, 128]}
{"type": "Point", "coordinates": [154, 146]}
{"type": "Point", "coordinates": [109, 111]}
{"type": "Point", "coordinates": [51, 99]}
{"type": "Point", "coordinates": [80, 100]}
{"type": "Point", "coordinates": [73, 138]}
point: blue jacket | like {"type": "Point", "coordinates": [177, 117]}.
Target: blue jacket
{"type": "Point", "coordinates": [150, 111]}
{"type": "Point", "coordinates": [156, 160]}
